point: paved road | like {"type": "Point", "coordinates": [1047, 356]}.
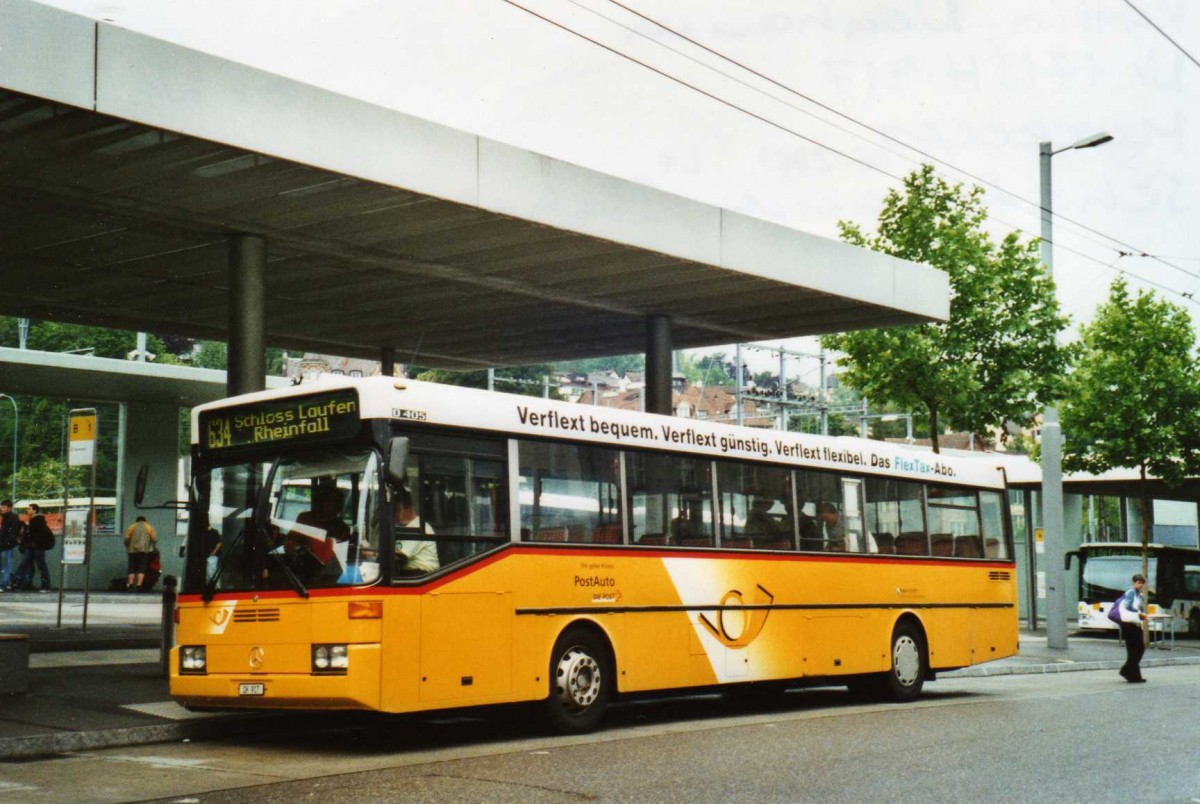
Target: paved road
{"type": "Point", "coordinates": [1015, 738]}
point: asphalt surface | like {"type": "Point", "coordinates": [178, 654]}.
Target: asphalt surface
{"type": "Point", "coordinates": [104, 685]}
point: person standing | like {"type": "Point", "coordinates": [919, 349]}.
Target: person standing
{"type": "Point", "coordinates": [140, 540]}
{"type": "Point", "coordinates": [10, 528]}
{"type": "Point", "coordinates": [1133, 612]}
{"type": "Point", "coordinates": [38, 539]}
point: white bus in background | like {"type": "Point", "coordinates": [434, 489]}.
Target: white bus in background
{"type": "Point", "coordinates": [1106, 570]}
{"type": "Point", "coordinates": [52, 508]}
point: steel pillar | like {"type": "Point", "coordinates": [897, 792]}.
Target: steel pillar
{"type": "Point", "coordinates": [658, 364]}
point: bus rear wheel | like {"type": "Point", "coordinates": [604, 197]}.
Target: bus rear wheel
{"type": "Point", "coordinates": [910, 664]}
{"type": "Point", "coordinates": [581, 681]}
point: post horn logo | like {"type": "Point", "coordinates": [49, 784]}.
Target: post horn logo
{"type": "Point", "coordinates": [257, 656]}
{"type": "Point", "coordinates": [753, 617]}
{"type": "Point", "coordinates": [219, 616]}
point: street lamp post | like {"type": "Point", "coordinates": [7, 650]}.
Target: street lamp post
{"type": "Point", "coordinates": [1052, 493]}
{"type": "Point", "coordinates": [16, 429]}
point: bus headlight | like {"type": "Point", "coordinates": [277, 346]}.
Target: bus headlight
{"type": "Point", "coordinates": [330, 659]}
{"type": "Point", "coordinates": [192, 659]}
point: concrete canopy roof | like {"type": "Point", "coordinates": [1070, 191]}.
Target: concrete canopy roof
{"type": "Point", "coordinates": [127, 161]}
{"type": "Point", "coordinates": [103, 379]}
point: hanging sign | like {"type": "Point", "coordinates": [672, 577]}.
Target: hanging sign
{"type": "Point", "coordinates": [81, 434]}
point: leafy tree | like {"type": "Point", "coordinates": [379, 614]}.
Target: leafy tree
{"type": "Point", "coordinates": [525, 380]}
{"type": "Point", "coordinates": [995, 359]}
{"type": "Point", "coordinates": [712, 369]}
{"type": "Point", "coordinates": [57, 336]}
{"type": "Point", "coordinates": [621, 364]}
{"type": "Point", "coordinates": [1132, 401]}
{"type": "Point", "coordinates": [215, 355]}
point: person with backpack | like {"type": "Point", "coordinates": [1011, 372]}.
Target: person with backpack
{"type": "Point", "coordinates": [140, 541]}
{"type": "Point", "coordinates": [1131, 609]}
{"type": "Point", "coordinates": [38, 539]}
{"type": "Point", "coordinates": [10, 529]}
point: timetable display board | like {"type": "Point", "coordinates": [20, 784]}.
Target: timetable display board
{"type": "Point", "coordinates": [280, 422]}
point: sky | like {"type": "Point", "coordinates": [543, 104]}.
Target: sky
{"type": "Point", "coordinates": [975, 84]}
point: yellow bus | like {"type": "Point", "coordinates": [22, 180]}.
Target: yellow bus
{"type": "Point", "coordinates": [399, 546]}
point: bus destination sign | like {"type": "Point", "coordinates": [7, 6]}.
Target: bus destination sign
{"type": "Point", "coordinates": [281, 421]}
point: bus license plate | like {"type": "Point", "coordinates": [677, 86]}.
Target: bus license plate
{"type": "Point", "coordinates": [252, 689]}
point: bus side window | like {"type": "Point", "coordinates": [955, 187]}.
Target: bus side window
{"type": "Point", "coordinates": [463, 500]}
{"type": "Point", "coordinates": [569, 493]}
{"type": "Point", "coordinates": [992, 508]}
{"type": "Point", "coordinates": [896, 515]}
{"type": "Point", "coordinates": [670, 499]}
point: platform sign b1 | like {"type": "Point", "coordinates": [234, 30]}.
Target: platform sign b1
{"type": "Point", "coordinates": [81, 434]}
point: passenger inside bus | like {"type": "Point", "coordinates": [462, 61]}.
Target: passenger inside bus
{"type": "Point", "coordinates": [323, 523]}
{"type": "Point", "coordinates": [810, 531]}
{"type": "Point", "coordinates": [413, 556]}
{"type": "Point", "coordinates": [832, 533]}
{"type": "Point", "coordinates": [759, 522]}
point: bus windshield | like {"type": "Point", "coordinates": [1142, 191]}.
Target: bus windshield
{"type": "Point", "coordinates": [299, 523]}
{"type": "Point", "coordinates": [1105, 577]}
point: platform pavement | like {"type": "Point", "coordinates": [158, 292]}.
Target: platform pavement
{"type": "Point", "coordinates": [103, 687]}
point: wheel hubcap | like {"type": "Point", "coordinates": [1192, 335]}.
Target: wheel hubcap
{"type": "Point", "coordinates": [577, 680]}
{"type": "Point", "coordinates": [906, 659]}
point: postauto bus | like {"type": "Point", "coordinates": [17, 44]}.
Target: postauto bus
{"type": "Point", "coordinates": [400, 546]}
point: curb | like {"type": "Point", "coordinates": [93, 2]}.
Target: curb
{"type": "Point", "coordinates": [42, 745]}
{"type": "Point", "coordinates": [37, 645]}
{"type": "Point", "coordinates": [1061, 667]}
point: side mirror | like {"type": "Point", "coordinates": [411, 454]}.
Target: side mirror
{"type": "Point", "coordinates": [397, 457]}
{"type": "Point", "coordinates": [139, 487]}
{"type": "Point", "coordinates": [1067, 559]}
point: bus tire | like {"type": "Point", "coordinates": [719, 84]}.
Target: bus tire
{"type": "Point", "coordinates": [1194, 624]}
{"type": "Point", "coordinates": [581, 681]}
{"type": "Point", "coordinates": [910, 664]}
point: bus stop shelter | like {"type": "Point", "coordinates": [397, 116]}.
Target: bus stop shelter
{"type": "Point", "coordinates": [149, 186]}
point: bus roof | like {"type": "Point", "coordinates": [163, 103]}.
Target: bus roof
{"type": "Point", "coordinates": [469, 408]}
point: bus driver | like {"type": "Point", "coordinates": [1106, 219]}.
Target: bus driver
{"type": "Point", "coordinates": [413, 557]}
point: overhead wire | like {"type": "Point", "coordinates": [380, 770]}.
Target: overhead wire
{"type": "Point", "coordinates": [873, 129]}
{"type": "Point", "coordinates": [703, 92]}
{"type": "Point", "coordinates": [805, 138]}
{"type": "Point", "coordinates": [1164, 34]}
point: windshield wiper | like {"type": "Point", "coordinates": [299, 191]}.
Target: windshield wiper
{"type": "Point", "coordinates": [210, 586]}
{"type": "Point", "coordinates": [268, 548]}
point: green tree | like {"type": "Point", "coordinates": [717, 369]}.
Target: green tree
{"type": "Point", "coordinates": [57, 336]}
{"type": "Point", "coordinates": [215, 355]}
{"type": "Point", "coordinates": [525, 380]}
{"type": "Point", "coordinates": [621, 364]}
{"type": "Point", "coordinates": [996, 358]}
{"type": "Point", "coordinates": [1133, 398]}
{"type": "Point", "coordinates": [715, 368]}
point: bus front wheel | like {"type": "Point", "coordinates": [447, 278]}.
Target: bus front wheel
{"type": "Point", "coordinates": [581, 681]}
{"type": "Point", "coordinates": [909, 664]}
